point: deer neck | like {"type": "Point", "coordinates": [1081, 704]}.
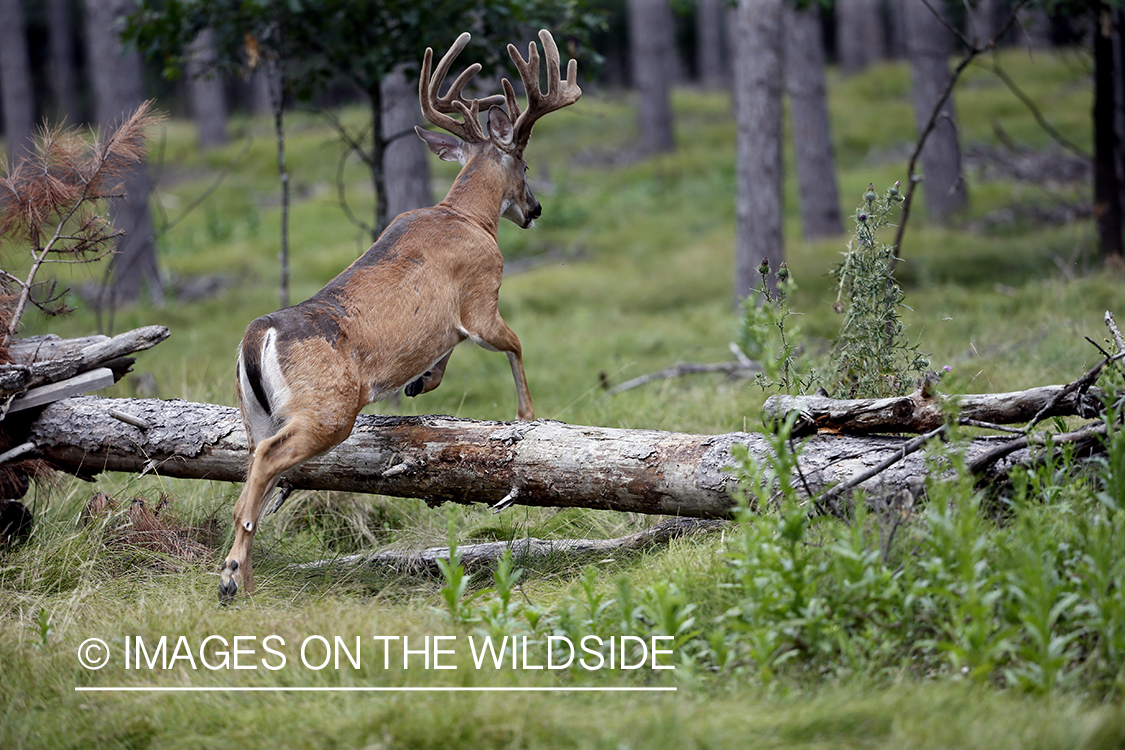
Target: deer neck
{"type": "Point", "coordinates": [478, 191]}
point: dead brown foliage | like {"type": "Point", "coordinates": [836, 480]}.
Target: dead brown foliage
{"type": "Point", "coordinates": [53, 203]}
{"type": "Point", "coordinates": [153, 529]}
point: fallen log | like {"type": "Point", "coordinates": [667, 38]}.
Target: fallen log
{"type": "Point", "coordinates": [921, 411]}
{"type": "Point", "coordinates": [50, 360]}
{"type": "Point", "coordinates": [444, 459]}
{"type": "Point", "coordinates": [523, 550]}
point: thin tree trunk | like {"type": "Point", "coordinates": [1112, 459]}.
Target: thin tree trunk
{"type": "Point", "coordinates": [920, 412]}
{"type": "Point", "coordinates": [205, 90]}
{"type": "Point", "coordinates": [653, 49]}
{"type": "Point", "coordinates": [118, 87]}
{"type": "Point", "coordinates": [258, 98]}
{"type": "Point", "coordinates": [984, 20]}
{"type": "Point", "coordinates": [1107, 136]}
{"type": "Point", "coordinates": [377, 161]}
{"type": "Point", "coordinates": [60, 65]}
{"type": "Point", "coordinates": [406, 165]}
{"type": "Point", "coordinates": [928, 45]}
{"type": "Point", "coordinates": [1036, 26]}
{"type": "Point", "coordinates": [712, 18]}
{"type": "Point", "coordinates": [275, 77]}
{"type": "Point", "coordinates": [812, 136]}
{"type": "Point", "coordinates": [16, 93]}
{"type": "Point", "coordinates": [859, 34]}
{"type": "Point", "coordinates": [758, 78]}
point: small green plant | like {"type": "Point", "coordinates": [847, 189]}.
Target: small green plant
{"type": "Point", "coordinates": [456, 582]}
{"type": "Point", "coordinates": [499, 613]}
{"type": "Point", "coordinates": [871, 355]}
{"type": "Point", "coordinates": [43, 628]}
{"type": "Point", "coordinates": [768, 337]}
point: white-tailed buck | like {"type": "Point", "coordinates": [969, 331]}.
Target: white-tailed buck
{"type": "Point", "coordinates": [393, 317]}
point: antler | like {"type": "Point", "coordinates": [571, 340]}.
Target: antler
{"type": "Point", "coordinates": [438, 108]}
{"type": "Point", "coordinates": [560, 93]}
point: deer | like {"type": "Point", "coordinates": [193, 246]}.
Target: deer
{"type": "Point", "coordinates": [391, 320]}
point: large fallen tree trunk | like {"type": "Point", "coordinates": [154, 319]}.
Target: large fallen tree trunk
{"type": "Point", "coordinates": [439, 459]}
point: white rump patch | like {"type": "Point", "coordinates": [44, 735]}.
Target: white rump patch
{"type": "Point", "coordinates": [258, 421]}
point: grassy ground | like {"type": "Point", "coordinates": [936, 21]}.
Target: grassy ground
{"type": "Point", "coordinates": [645, 281]}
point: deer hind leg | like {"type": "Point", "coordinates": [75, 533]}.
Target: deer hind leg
{"type": "Point", "coordinates": [430, 379]}
{"type": "Point", "coordinates": [301, 438]}
{"type": "Point", "coordinates": [494, 334]}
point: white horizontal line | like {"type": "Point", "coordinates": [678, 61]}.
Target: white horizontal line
{"type": "Point", "coordinates": [407, 689]}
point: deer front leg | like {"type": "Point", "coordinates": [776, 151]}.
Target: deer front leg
{"type": "Point", "coordinates": [494, 334]}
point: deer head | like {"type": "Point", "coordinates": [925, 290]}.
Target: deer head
{"type": "Point", "coordinates": [507, 132]}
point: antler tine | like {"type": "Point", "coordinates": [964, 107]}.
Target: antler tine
{"type": "Point", "coordinates": [510, 96]}
{"type": "Point", "coordinates": [453, 97]}
{"type": "Point", "coordinates": [560, 92]}
{"type": "Point", "coordinates": [437, 108]}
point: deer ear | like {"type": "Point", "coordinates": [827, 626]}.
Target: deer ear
{"type": "Point", "coordinates": [500, 127]}
{"type": "Point", "coordinates": [446, 147]}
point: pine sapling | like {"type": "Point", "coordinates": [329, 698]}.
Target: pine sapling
{"type": "Point", "coordinates": [53, 203]}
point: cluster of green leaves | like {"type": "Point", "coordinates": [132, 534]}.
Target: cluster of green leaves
{"type": "Point", "coordinates": [362, 41]}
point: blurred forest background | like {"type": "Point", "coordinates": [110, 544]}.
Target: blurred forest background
{"type": "Point", "coordinates": [94, 61]}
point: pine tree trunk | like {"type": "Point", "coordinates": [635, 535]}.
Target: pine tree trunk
{"type": "Point", "coordinates": [406, 163]}
{"type": "Point", "coordinates": [712, 18]}
{"type": "Point", "coordinates": [652, 49]}
{"type": "Point", "coordinates": [812, 136]}
{"type": "Point", "coordinates": [205, 90]}
{"type": "Point", "coordinates": [259, 99]}
{"type": "Point", "coordinates": [928, 46]}
{"type": "Point", "coordinates": [859, 34]}
{"type": "Point", "coordinates": [16, 93]}
{"type": "Point", "coordinates": [60, 65]}
{"type": "Point", "coordinates": [1107, 136]}
{"type": "Point", "coordinates": [984, 21]}
{"type": "Point", "coordinates": [1035, 26]}
{"type": "Point", "coordinates": [758, 78]}
{"type": "Point", "coordinates": [118, 87]}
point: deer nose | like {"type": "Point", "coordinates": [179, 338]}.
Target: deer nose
{"type": "Point", "coordinates": [534, 211]}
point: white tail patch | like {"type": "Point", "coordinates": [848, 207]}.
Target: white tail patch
{"type": "Point", "coordinates": [273, 378]}
{"type": "Point", "coordinates": [262, 419]}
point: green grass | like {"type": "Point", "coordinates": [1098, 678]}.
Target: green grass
{"type": "Point", "coordinates": [646, 283]}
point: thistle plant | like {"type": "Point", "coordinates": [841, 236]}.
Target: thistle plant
{"type": "Point", "coordinates": [871, 355]}
{"type": "Point", "coordinates": [768, 336]}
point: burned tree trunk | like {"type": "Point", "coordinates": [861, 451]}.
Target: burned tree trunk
{"type": "Point", "coordinates": [443, 459]}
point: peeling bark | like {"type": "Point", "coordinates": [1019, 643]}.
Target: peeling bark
{"type": "Point", "coordinates": [49, 360]}
{"type": "Point", "coordinates": [444, 459]}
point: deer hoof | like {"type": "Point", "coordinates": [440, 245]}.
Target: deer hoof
{"type": "Point", "coordinates": [228, 586]}
{"type": "Point", "coordinates": [415, 388]}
